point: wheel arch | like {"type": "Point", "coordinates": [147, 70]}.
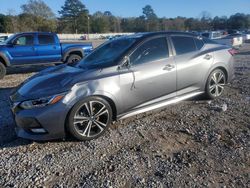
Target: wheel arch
{"type": "Point", "coordinates": [4, 60]}
{"type": "Point", "coordinates": [76, 51]}
{"type": "Point", "coordinates": [224, 70]}
{"type": "Point", "coordinates": [108, 98]}
{"type": "Point", "coordinates": [220, 66]}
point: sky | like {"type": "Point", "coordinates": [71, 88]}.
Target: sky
{"type": "Point", "coordinates": [130, 8]}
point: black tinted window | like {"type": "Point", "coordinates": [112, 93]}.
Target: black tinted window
{"type": "Point", "coordinates": [199, 43]}
{"type": "Point", "coordinates": [151, 50]}
{"type": "Point", "coordinates": [183, 44]}
{"type": "Point", "coordinates": [25, 40]}
{"type": "Point", "coordinates": [46, 39]}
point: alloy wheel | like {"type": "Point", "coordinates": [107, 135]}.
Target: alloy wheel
{"type": "Point", "coordinates": [217, 83]}
{"type": "Point", "coordinates": [91, 119]}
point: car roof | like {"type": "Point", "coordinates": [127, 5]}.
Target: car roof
{"type": "Point", "coordinates": [152, 34]}
{"type": "Point", "coordinates": [34, 32]}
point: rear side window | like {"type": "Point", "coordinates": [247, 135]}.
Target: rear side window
{"type": "Point", "coordinates": [199, 43]}
{"type": "Point", "coordinates": [46, 39]}
{"type": "Point", "coordinates": [183, 44]}
{"type": "Point", "coordinates": [152, 50]}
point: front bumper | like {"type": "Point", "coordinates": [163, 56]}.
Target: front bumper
{"type": "Point", "coordinates": [51, 119]}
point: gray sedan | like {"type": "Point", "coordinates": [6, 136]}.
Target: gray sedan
{"type": "Point", "coordinates": [121, 78]}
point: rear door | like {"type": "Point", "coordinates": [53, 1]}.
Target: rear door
{"type": "Point", "coordinates": [152, 74]}
{"type": "Point", "coordinates": [48, 49]}
{"type": "Point", "coordinates": [192, 63]}
{"type": "Point", "coordinates": [23, 50]}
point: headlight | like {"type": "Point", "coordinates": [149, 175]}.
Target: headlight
{"type": "Point", "coordinates": [37, 103]}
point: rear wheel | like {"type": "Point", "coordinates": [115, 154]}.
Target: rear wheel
{"type": "Point", "coordinates": [215, 84]}
{"type": "Point", "coordinates": [89, 118]}
{"type": "Point", "coordinates": [2, 70]}
{"type": "Point", "coordinates": [73, 58]}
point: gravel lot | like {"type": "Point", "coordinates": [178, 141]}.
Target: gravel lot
{"type": "Point", "coordinates": [191, 144]}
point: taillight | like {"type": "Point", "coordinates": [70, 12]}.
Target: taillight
{"type": "Point", "coordinates": [232, 52]}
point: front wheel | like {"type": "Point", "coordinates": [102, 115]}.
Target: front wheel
{"type": "Point", "coordinates": [215, 84]}
{"type": "Point", "coordinates": [89, 118]}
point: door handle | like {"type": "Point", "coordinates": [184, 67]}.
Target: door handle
{"type": "Point", "coordinates": [208, 57]}
{"type": "Point", "coordinates": [169, 67]}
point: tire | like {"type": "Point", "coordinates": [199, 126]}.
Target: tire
{"type": "Point", "coordinates": [215, 84]}
{"type": "Point", "coordinates": [86, 124]}
{"type": "Point", "coordinates": [2, 70]}
{"type": "Point", "coordinates": [73, 58]}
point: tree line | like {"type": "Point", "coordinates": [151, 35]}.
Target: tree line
{"type": "Point", "coordinates": [74, 17]}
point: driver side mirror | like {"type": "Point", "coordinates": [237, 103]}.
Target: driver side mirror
{"type": "Point", "coordinates": [125, 62]}
{"type": "Point", "coordinates": [12, 43]}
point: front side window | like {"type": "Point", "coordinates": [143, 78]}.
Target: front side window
{"type": "Point", "coordinates": [152, 50]}
{"type": "Point", "coordinates": [46, 39]}
{"type": "Point", "coordinates": [183, 44]}
{"type": "Point", "coordinates": [27, 40]}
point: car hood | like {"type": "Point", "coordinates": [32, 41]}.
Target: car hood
{"type": "Point", "coordinates": [51, 81]}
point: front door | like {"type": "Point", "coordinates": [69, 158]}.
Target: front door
{"type": "Point", "coordinates": [151, 76]}
{"type": "Point", "coordinates": [22, 50]}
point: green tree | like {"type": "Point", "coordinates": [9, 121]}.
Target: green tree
{"type": "Point", "coordinates": [38, 8]}
{"type": "Point", "coordinates": [152, 22]}
{"type": "Point", "coordinates": [205, 21]}
{"type": "Point", "coordinates": [99, 23]}
{"type": "Point", "coordinates": [219, 22]}
{"type": "Point", "coordinates": [5, 24]}
{"type": "Point", "coordinates": [238, 21]}
{"type": "Point", "coordinates": [29, 22]}
{"type": "Point", "coordinates": [113, 22]}
{"type": "Point", "coordinates": [74, 16]}
{"type": "Point", "coordinates": [149, 13]}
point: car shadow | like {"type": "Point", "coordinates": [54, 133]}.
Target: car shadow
{"type": "Point", "coordinates": [8, 137]}
{"type": "Point", "coordinates": [244, 53]}
{"type": "Point", "coordinates": [7, 123]}
{"type": "Point", "coordinates": [26, 69]}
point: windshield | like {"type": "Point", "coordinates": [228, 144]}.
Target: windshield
{"type": "Point", "coordinates": [108, 52]}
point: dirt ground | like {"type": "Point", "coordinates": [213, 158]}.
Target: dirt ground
{"type": "Point", "coordinates": [190, 144]}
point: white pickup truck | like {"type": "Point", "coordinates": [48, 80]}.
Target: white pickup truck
{"type": "Point", "coordinates": [234, 40]}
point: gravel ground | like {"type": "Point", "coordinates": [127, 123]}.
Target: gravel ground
{"type": "Point", "coordinates": [191, 144]}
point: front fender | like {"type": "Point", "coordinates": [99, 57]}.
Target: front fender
{"type": "Point", "coordinates": [5, 57]}
{"type": "Point", "coordinates": [81, 91]}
